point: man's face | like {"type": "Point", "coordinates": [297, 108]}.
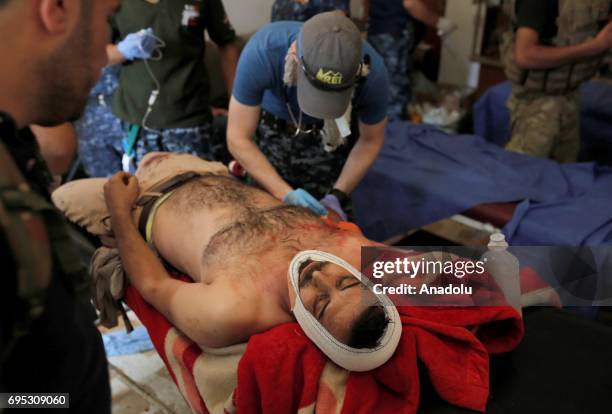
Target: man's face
{"type": "Point", "coordinates": [333, 296]}
{"type": "Point", "coordinates": [75, 66]}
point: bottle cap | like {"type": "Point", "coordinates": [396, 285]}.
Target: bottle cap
{"type": "Point", "coordinates": [498, 237]}
{"type": "Point", "coordinates": [497, 240]}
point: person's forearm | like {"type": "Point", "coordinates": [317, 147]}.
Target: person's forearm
{"type": "Point", "coordinates": [141, 265]}
{"type": "Point", "coordinates": [257, 165]}
{"type": "Point", "coordinates": [548, 57]}
{"type": "Point", "coordinates": [229, 60]}
{"type": "Point", "coordinates": [114, 56]}
{"type": "Point", "coordinates": [361, 158]}
{"type": "Point", "coordinates": [422, 12]}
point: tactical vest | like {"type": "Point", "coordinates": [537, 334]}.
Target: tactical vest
{"type": "Point", "coordinates": [38, 240]}
{"type": "Point", "coordinates": [578, 21]}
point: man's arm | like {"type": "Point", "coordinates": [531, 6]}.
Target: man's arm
{"type": "Point", "coordinates": [422, 12]}
{"type": "Point", "coordinates": [114, 56]}
{"type": "Point", "coordinates": [362, 156]}
{"type": "Point", "coordinates": [207, 316]}
{"type": "Point", "coordinates": [229, 55]}
{"type": "Point", "coordinates": [530, 54]}
{"type": "Point", "coordinates": [241, 126]}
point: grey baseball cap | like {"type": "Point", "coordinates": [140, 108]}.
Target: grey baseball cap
{"type": "Point", "coordinates": [329, 49]}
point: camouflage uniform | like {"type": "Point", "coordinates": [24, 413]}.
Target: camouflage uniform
{"type": "Point", "coordinates": [396, 51]}
{"type": "Point", "coordinates": [201, 141]}
{"type": "Point", "coordinates": [546, 126]}
{"type": "Point", "coordinates": [301, 160]}
{"type": "Point", "coordinates": [302, 10]}
{"type": "Point", "coordinates": [544, 105]}
{"type": "Point", "coordinates": [48, 341]}
{"type": "Point", "coordinates": [99, 131]}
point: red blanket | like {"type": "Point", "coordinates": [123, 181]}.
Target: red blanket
{"type": "Point", "coordinates": [281, 371]}
{"type": "Point", "coordinates": [453, 344]}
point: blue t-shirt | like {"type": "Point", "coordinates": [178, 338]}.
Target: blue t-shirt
{"type": "Point", "coordinates": [259, 77]}
{"type": "Point", "coordinates": [387, 16]}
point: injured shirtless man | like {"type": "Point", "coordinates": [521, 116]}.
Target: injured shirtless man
{"type": "Point", "coordinates": [236, 242]}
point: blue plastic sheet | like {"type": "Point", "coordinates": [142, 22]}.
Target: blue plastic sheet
{"type": "Point", "coordinates": [423, 175]}
{"type": "Point", "coordinates": [122, 343]}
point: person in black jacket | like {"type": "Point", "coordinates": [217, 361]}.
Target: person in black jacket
{"type": "Point", "coordinates": [52, 54]}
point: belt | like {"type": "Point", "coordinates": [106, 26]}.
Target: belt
{"type": "Point", "coordinates": [149, 200]}
{"type": "Point", "coordinates": [283, 125]}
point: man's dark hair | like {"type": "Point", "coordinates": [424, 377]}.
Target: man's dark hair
{"type": "Point", "coordinates": [3, 2]}
{"type": "Point", "coordinates": [369, 328]}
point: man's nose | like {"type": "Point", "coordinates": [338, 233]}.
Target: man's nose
{"type": "Point", "coordinates": [319, 280]}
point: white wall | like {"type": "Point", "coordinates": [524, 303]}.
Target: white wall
{"type": "Point", "coordinates": [456, 67]}
{"type": "Point", "coordinates": [248, 16]}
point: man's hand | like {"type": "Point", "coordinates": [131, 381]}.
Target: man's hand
{"type": "Point", "coordinates": [303, 198]}
{"type": "Point", "coordinates": [139, 45]}
{"type": "Point", "coordinates": [445, 27]}
{"type": "Point", "coordinates": [332, 204]}
{"type": "Point", "coordinates": [423, 12]}
{"type": "Point", "coordinates": [218, 111]}
{"type": "Point", "coordinates": [120, 193]}
{"type": "Point", "coordinates": [604, 37]}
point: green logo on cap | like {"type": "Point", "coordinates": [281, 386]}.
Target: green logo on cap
{"type": "Point", "coordinates": [330, 77]}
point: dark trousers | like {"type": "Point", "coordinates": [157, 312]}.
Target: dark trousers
{"type": "Point", "coordinates": [301, 160]}
{"type": "Point", "coordinates": [62, 353]}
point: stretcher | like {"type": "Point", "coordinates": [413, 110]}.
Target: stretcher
{"type": "Point", "coordinates": [442, 361]}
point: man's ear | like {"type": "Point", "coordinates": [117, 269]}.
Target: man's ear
{"type": "Point", "coordinates": [293, 51]}
{"type": "Point", "coordinates": [54, 14]}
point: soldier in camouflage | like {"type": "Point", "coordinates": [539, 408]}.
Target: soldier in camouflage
{"type": "Point", "coordinates": [99, 131]}
{"type": "Point", "coordinates": [395, 27]}
{"type": "Point", "coordinates": [101, 134]}
{"type": "Point", "coordinates": [163, 92]}
{"type": "Point", "coordinates": [545, 126]}
{"type": "Point", "coordinates": [554, 47]}
{"type": "Point", "coordinates": [396, 50]}
{"type": "Point", "coordinates": [302, 10]}
{"type": "Point", "coordinates": [48, 341]}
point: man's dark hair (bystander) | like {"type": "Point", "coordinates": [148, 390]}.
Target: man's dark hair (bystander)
{"type": "Point", "coordinates": [369, 328]}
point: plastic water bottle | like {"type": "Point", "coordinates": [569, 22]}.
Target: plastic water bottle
{"type": "Point", "coordinates": [504, 268]}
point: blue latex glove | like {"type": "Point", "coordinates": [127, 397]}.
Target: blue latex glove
{"type": "Point", "coordinates": [139, 45]}
{"type": "Point", "coordinates": [332, 203]}
{"type": "Point", "coordinates": [301, 197]}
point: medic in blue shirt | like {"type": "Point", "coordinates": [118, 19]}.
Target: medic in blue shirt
{"type": "Point", "coordinates": [315, 96]}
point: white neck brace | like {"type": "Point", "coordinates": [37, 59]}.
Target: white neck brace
{"type": "Point", "coordinates": [352, 359]}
